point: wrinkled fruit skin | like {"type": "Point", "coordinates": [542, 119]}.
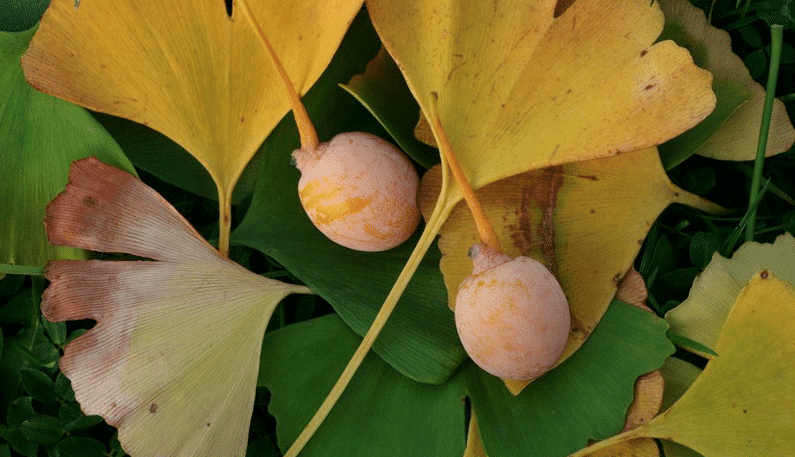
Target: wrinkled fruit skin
{"type": "Point", "coordinates": [512, 316]}
{"type": "Point", "coordinates": [360, 191]}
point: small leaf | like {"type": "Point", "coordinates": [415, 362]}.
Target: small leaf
{"type": "Point", "coordinates": [63, 388]}
{"type": "Point", "coordinates": [43, 429]}
{"type": "Point", "coordinates": [20, 410]}
{"type": "Point", "coordinates": [56, 331]}
{"type": "Point", "coordinates": [81, 446]}
{"type": "Point", "coordinates": [22, 444]}
{"type": "Point", "coordinates": [751, 36]}
{"type": "Point", "coordinates": [756, 62]}
{"type": "Point", "coordinates": [703, 246]}
{"type": "Point", "coordinates": [83, 422]}
{"type": "Point", "coordinates": [38, 385]}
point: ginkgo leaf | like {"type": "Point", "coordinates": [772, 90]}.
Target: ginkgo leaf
{"type": "Point", "coordinates": [641, 447]}
{"type": "Point", "coordinates": [520, 89]}
{"type": "Point", "coordinates": [585, 221]}
{"type": "Point", "coordinates": [187, 69]}
{"type": "Point", "coordinates": [731, 132]}
{"type": "Point", "coordinates": [40, 136]}
{"type": "Point", "coordinates": [172, 361]}
{"type": "Point", "coordinates": [587, 397]}
{"type": "Point", "coordinates": [702, 315]}
{"type": "Point", "coordinates": [679, 375]}
{"type": "Point", "coordinates": [474, 442]}
{"type": "Point", "coordinates": [742, 403]}
{"type": "Point", "coordinates": [382, 89]}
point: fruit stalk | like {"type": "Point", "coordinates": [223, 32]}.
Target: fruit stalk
{"type": "Point", "coordinates": [485, 229]}
{"type": "Point", "coordinates": [306, 129]}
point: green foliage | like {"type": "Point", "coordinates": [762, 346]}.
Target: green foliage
{"type": "Point", "coordinates": [383, 413]}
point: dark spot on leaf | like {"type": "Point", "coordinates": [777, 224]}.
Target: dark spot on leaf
{"type": "Point", "coordinates": [208, 424]}
{"type": "Point", "coordinates": [593, 211]}
{"type": "Point", "coordinates": [644, 52]}
{"type": "Point", "coordinates": [650, 86]}
{"type": "Point", "coordinates": [242, 119]}
{"type": "Point", "coordinates": [90, 201]}
{"type": "Point", "coordinates": [763, 274]}
{"type": "Point", "coordinates": [153, 408]}
{"type": "Point", "coordinates": [617, 278]}
{"type": "Point", "coordinates": [745, 410]}
{"type": "Point", "coordinates": [568, 91]}
{"type": "Point", "coordinates": [589, 177]}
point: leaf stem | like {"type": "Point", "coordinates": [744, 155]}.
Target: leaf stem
{"type": "Point", "coordinates": [224, 221]}
{"type": "Point", "coordinates": [306, 129]}
{"type": "Point", "coordinates": [777, 33]}
{"type": "Point", "coordinates": [485, 229]}
{"type": "Point", "coordinates": [20, 270]}
{"type": "Point", "coordinates": [423, 244]}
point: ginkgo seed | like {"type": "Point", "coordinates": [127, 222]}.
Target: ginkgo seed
{"type": "Point", "coordinates": [359, 190]}
{"type": "Point", "coordinates": [511, 315]}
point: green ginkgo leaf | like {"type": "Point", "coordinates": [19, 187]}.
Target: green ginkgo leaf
{"type": "Point", "coordinates": [384, 413]}
{"type": "Point", "coordinates": [40, 136]}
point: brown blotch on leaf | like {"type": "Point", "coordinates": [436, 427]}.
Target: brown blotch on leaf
{"type": "Point", "coordinates": [763, 274]}
{"type": "Point", "coordinates": [90, 201]}
{"type": "Point", "coordinates": [153, 408]}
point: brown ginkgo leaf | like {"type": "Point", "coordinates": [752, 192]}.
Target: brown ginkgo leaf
{"type": "Point", "coordinates": [173, 359]}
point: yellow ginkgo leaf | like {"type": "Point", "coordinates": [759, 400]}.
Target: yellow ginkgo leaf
{"type": "Point", "coordinates": [474, 442]}
{"type": "Point", "coordinates": [701, 316]}
{"type": "Point", "coordinates": [172, 361]}
{"type": "Point", "coordinates": [585, 221]}
{"type": "Point", "coordinates": [640, 447]}
{"type": "Point", "coordinates": [520, 89]}
{"type": "Point", "coordinates": [743, 403]}
{"type": "Point", "coordinates": [187, 69]}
